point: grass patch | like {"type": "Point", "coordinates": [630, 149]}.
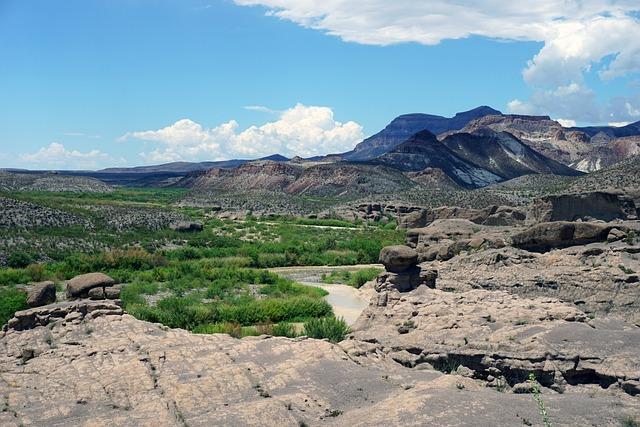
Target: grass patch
{"type": "Point", "coordinates": [11, 300]}
{"type": "Point", "coordinates": [331, 328]}
{"type": "Point", "coordinates": [355, 278]}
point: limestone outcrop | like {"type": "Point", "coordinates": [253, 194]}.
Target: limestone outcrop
{"type": "Point", "coordinates": [96, 366]}
{"type": "Point", "coordinates": [599, 205]}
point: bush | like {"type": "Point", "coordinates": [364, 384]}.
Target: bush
{"type": "Point", "coordinates": [19, 259]}
{"type": "Point", "coordinates": [11, 300]}
{"type": "Point", "coordinates": [233, 329]}
{"type": "Point", "coordinates": [284, 330]}
{"type": "Point", "coordinates": [331, 328]}
{"type": "Point", "coordinates": [12, 276]}
{"type": "Point", "coordinates": [355, 279]}
{"type": "Point", "coordinates": [273, 310]}
{"type": "Point", "coordinates": [361, 277]}
{"type": "Point", "coordinates": [36, 272]}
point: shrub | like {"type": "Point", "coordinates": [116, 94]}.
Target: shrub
{"type": "Point", "coordinates": [12, 276]}
{"type": "Point", "coordinates": [330, 328]}
{"type": "Point", "coordinates": [233, 329]}
{"type": "Point", "coordinates": [19, 259]}
{"type": "Point", "coordinates": [36, 272]}
{"type": "Point", "coordinates": [284, 329]}
{"type": "Point", "coordinates": [361, 277]}
{"type": "Point", "coordinates": [11, 300]}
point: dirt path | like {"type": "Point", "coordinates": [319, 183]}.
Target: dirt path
{"type": "Point", "coordinates": [347, 301]}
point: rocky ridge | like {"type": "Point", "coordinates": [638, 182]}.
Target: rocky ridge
{"type": "Point", "coordinates": [10, 181]}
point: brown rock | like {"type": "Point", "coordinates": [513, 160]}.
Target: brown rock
{"type": "Point", "coordinates": [550, 235]}
{"type": "Point", "coordinates": [398, 259]}
{"type": "Point", "coordinates": [80, 285]}
{"type": "Point", "coordinates": [41, 293]}
{"type": "Point", "coordinates": [570, 207]}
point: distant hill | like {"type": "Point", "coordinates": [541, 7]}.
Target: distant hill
{"type": "Point", "coordinates": [403, 127]}
{"type": "Point", "coordinates": [186, 167]}
{"type": "Point", "coordinates": [327, 179]}
{"type": "Point", "coordinates": [632, 129]}
{"type": "Point", "coordinates": [46, 181]}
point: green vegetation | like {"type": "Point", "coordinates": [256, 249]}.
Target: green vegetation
{"type": "Point", "coordinates": [629, 421]}
{"type": "Point", "coordinates": [11, 300]}
{"type": "Point", "coordinates": [331, 328]}
{"type": "Point", "coordinates": [537, 396]}
{"type": "Point", "coordinates": [351, 278]}
{"type": "Point", "coordinates": [210, 281]}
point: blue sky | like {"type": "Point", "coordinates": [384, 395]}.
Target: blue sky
{"type": "Point", "coordinates": [90, 83]}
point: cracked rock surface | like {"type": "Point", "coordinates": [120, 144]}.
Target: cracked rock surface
{"type": "Point", "coordinates": [104, 368]}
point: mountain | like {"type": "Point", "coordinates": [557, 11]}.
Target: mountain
{"type": "Point", "coordinates": [186, 167]}
{"type": "Point", "coordinates": [503, 154]}
{"type": "Point", "coordinates": [423, 150]}
{"type": "Point", "coordinates": [583, 148]}
{"type": "Point", "coordinates": [632, 129]}
{"type": "Point", "coordinates": [325, 179]}
{"type": "Point", "coordinates": [403, 127]}
{"type": "Point", "coordinates": [544, 135]}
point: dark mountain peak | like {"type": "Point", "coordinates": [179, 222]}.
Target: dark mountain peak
{"type": "Point", "coordinates": [403, 127]}
{"type": "Point", "coordinates": [275, 158]}
{"type": "Point", "coordinates": [477, 112]}
{"type": "Point", "coordinates": [423, 136]}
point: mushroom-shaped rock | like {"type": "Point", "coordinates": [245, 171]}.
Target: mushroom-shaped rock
{"type": "Point", "coordinates": [41, 293]}
{"type": "Point", "coordinates": [80, 285]}
{"type": "Point", "coordinates": [398, 259]}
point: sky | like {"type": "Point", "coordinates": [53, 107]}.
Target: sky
{"type": "Point", "coordinates": [87, 84]}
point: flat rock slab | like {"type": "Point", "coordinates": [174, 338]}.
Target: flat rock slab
{"type": "Point", "coordinates": [115, 370]}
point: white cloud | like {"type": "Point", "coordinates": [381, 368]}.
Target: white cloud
{"type": "Point", "coordinates": [55, 155]}
{"type": "Point", "coordinates": [618, 124]}
{"type": "Point", "coordinates": [579, 36]}
{"type": "Point", "coordinates": [302, 130]}
{"type": "Point", "coordinates": [566, 122]}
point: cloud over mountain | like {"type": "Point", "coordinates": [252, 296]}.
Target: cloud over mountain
{"type": "Point", "coordinates": [300, 130]}
{"type": "Point", "coordinates": [56, 155]}
{"type": "Point", "coordinates": [579, 36]}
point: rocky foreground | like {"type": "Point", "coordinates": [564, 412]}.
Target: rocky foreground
{"type": "Point", "coordinates": [475, 306]}
{"type": "Point", "coordinates": [93, 365]}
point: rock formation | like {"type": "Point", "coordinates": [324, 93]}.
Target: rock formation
{"type": "Point", "coordinates": [93, 285]}
{"type": "Point", "coordinates": [593, 205]}
{"type": "Point", "coordinates": [41, 293]}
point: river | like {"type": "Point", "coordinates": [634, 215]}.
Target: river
{"type": "Point", "coordinates": [347, 301]}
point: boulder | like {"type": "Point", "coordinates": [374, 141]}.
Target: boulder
{"type": "Point", "coordinates": [41, 293]}
{"type": "Point", "coordinates": [79, 286]}
{"type": "Point", "coordinates": [397, 259]}
{"type": "Point", "coordinates": [186, 226]}
{"type": "Point", "coordinates": [615, 235]}
{"type": "Point", "coordinates": [553, 235]}
{"type": "Point", "coordinates": [571, 207]}
{"type": "Point", "coordinates": [415, 219]}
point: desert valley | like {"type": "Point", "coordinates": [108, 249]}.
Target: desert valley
{"type": "Point", "coordinates": [475, 270]}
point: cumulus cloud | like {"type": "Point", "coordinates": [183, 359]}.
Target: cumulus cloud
{"type": "Point", "coordinates": [301, 130]}
{"type": "Point", "coordinates": [55, 155]}
{"type": "Point", "coordinates": [579, 36]}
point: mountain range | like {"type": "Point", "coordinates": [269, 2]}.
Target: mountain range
{"type": "Point", "coordinates": [472, 149]}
